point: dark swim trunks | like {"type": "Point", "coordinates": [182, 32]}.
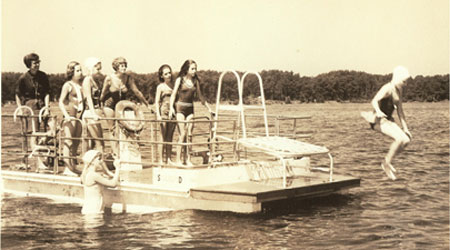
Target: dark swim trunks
{"type": "Point", "coordinates": [185, 108]}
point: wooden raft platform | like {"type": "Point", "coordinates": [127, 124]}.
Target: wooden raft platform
{"type": "Point", "coordinates": [272, 190]}
{"type": "Point", "coordinates": [281, 146]}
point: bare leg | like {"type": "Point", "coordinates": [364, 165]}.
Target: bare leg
{"type": "Point", "coordinates": [182, 138]}
{"type": "Point", "coordinates": [95, 131]}
{"type": "Point", "coordinates": [169, 136]}
{"type": "Point", "coordinates": [190, 128]}
{"type": "Point", "coordinates": [70, 146]}
{"type": "Point", "coordinates": [401, 140]}
{"type": "Point", "coordinates": [109, 113]}
{"type": "Point", "coordinates": [162, 146]}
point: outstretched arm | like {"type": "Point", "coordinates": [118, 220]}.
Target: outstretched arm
{"type": "Point", "coordinates": [137, 92]}
{"type": "Point", "coordinates": [201, 97]}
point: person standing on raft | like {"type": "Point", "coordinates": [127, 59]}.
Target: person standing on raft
{"type": "Point", "coordinates": [387, 99]}
{"type": "Point", "coordinates": [162, 108]}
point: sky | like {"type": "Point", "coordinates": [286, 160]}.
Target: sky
{"type": "Point", "coordinates": [308, 37]}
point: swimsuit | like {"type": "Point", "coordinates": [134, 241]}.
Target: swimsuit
{"type": "Point", "coordinates": [93, 199]}
{"type": "Point", "coordinates": [74, 100]}
{"type": "Point", "coordinates": [113, 97]}
{"type": "Point", "coordinates": [164, 106]}
{"type": "Point", "coordinates": [386, 106]}
{"type": "Point", "coordinates": [95, 94]}
{"type": "Point", "coordinates": [185, 103]}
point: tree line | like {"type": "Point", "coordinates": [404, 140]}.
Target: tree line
{"type": "Point", "coordinates": [284, 86]}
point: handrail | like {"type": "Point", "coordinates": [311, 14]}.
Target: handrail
{"type": "Point", "coordinates": [219, 91]}
{"type": "Point", "coordinates": [42, 111]}
{"type": "Point", "coordinates": [263, 102]}
{"type": "Point", "coordinates": [33, 125]}
{"type": "Point", "coordinates": [199, 145]}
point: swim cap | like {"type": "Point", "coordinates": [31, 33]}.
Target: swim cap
{"type": "Point", "coordinates": [90, 155]}
{"type": "Point", "coordinates": [400, 74]}
{"type": "Point", "coordinates": [90, 63]}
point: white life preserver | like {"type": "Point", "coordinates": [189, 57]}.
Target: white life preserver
{"type": "Point", "coordinates": [131, 125]}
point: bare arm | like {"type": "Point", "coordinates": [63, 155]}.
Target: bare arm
{"type": "Point", "coordinates": [47, 104]}
{"type": "Point", "coordinates": [18, 92]}
{"type": "Point", "coordinates": [137, 92]}
{"type": "Point", "coordinates": [401, 114]}
{"type": "Point", "coordinates": [62, 97]}
{"type": "Point", "coordinates": [87, 92]}
{"type": "Point", "coordinates": [201, 97]}
{"type": "Point", "coordinates": [157, 99]}
{"type": "Point", "coordinates": [105, 89]}
{"type": "Point", "coordinates": [108, 182]}
{"type": "Point", "coordinates": [47, 96]}
{"type": "Point", "coordinates": [107, 171]}
{"type": "Point", "coordinates": [18, 101]}
{"type": "Point", "coordinates": [174, 96]}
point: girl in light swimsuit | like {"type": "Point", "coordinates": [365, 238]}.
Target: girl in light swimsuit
{"type": "Point", "coordinates": [384, 103]}
{"type": "Point", "coordinates": [71, 105]}
{"type": "Point", "coordinates": [91, 92]}
{"type": "Point", "coordinates": [162, 107]}
{"type": "Point", "coordinates": [94, 181]}
{"type": "Point", "coordinates": [186, 85]}
{"type": "Point", "coordinates": [115, 88]}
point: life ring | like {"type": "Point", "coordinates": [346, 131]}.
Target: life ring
{"type": "Point", "coordinates": [129, 125]}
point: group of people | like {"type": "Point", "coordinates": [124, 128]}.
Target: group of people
{"type": "Point", "coordinates": [84, 98]}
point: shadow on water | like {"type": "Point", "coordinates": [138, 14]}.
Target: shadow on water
{"type": "Point", "coordinates": [301, 207]}
{"type": "Point", "coordinates": [309, 206]}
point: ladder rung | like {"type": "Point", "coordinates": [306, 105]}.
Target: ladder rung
{"type": "Point", "coordinates": [253, 107]}
{"type": "Point", "coordinates": [230, 107]}
{"type": "Point", "coordinates": [238, 108]}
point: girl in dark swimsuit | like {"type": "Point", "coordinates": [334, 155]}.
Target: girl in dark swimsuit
{"type": "Point", "coordinates": [162, 107]}
{"type": "Point", "coordinates": [186, 85]}
{"type": "Point", "coordinates": [115, 88]}
{"type": "Point", "coordinates": [385, 101]}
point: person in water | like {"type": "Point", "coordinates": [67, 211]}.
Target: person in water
{"type": "Point", "coordinates": [162, 107]}
{"type": "Point", "coordinates": [116, 88]}
{"type": "Point", "coordinates": [71, 106]}
{"type": "Point", "coordinates": [33, 90]}
{"type": "Point", "coordinates": [386, 100]}
{"type": "Point", "coordinates": [91, 93]}
{"type": "Point", "coordinates": [186, 86]}
{"type": "Point", "coordinates": [94, 181]}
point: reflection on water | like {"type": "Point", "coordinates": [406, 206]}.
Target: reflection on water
{"type": "Point", "coordinates": [410, 213]}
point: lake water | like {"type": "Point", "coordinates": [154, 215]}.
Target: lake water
{"type": "Point", "coordinates": [410, 213]}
